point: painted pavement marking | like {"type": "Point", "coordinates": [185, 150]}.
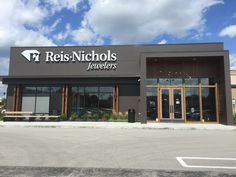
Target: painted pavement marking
{"type": "Point", "coordinates": [184, 164]}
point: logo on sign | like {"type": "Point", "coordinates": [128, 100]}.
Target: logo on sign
{"type": "Point", "coordinates": [31, 55]}
{"type": "Point", "coordinates": [96, 61]}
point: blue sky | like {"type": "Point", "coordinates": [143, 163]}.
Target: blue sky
{"type": "Point", "coordinates": [108, 22]}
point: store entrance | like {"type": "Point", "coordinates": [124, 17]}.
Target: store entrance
{"type": "Point", "coordinates": [171, 103]}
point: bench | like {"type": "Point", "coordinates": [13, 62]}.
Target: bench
{"type": "Point", "coordinates": [21, 115]}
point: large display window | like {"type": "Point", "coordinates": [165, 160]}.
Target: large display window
{"type": "Point", "coordinates": [91, 99]}
{"type": "Point", "coordinates": [42, 100]}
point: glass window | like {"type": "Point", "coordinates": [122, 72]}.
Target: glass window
{"type": "Point", "coordinates": [29, 91]}
{"type": "Point", "coordinates": [28, 103]}
{"type": "Point", "coordinates": [152, 81]}
{"type": "Point", "coordinates": [176, 81]}
{"type": "Point", "coordinates": [42, 100]}
{"type": "Point", "coordinates": [151, 103]}
{"type": "Point", "coordinates": [80, 89]}
{"type": "Point", "coordinates": [105, 101]}
{"type": "Point", "coordinates": [165, 102]}
{"type": "Point", "coordinates": [151, 91]}
{"type": "Point", "coordinates": [91, 99]}
{"type": "Point", "coordinates": [164, 81]}
{"type": "Point", "coordinates": [171, 81]}
{"type": "Point", "coordinates": [208, 105]}
{"type": "Point", "coordinates": [42, 105]}
{"type": "Point", "coordinates": [204, 81]}
{"type": "Point", "coordinates": [105, 89]}
{"type": "Point", "coordinates": [28, 99]}
{"type": "Point", "coordinates": [192, 104]}
{"type": "Point", "coordinates": [207, 81]}
{"type": "Point", "coordinates": [91, 89]}
{"type": "Point", "coordinates": [55, 101]}
{"type": "Point", "coordinates": [191, 81]}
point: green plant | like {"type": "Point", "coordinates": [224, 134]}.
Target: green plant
{"type": "Point", "coordinates": [1, 116]}
{"type": "Point", "coordinates": [52, 118]}
{"type": "Point", "coordinates": [118, 118]}
{"type": "Point", "coordinates": [234, 117]}
{"type": "Point", "coordinates": [95, 117]}
{"type": "Point", "coordinates": [105, 116]}
{"type": "Point", "coordinates": [63, 117]}
{"type": "Point", "coordinates": [74, 116]}
{"type": "Point", "coordinates": [84, 117]}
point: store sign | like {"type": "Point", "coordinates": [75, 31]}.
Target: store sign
{"type": "Point", "coordinates": [96, 61]}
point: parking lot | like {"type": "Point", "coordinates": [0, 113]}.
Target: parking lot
{"type": "Point", "coordinates": [168, 150]}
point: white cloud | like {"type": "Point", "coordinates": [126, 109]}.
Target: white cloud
{"type": "Point", "coordinates": [4, 64]}
{"type": "Point", "coordinates": [163, 41]}
{"type": "Point", "coordinates": [58, 5]}
{"type": "Point", "coordinates": [15, 15]}
{"type": "Point", "coordinates": [48, 29]}
{"type": "Point", "coordinates": [63, 34]}
{"type": "Point", "coordinates": [232, 60]}
{"type": "Point", "coordinates": [229, 31]}
{"type": "Point", "coordinates": [134, 21]}
{"type": "Point", "coordinates": [86, 36]}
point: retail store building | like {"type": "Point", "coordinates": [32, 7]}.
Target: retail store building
{"type": "Point", "coordinates": [172, 83]}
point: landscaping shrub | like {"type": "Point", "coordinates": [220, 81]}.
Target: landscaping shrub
{"type": "Point", "coordinates": [1, 116]}
{"type": "Point", "coordinates": [63, 117]}
{"type": "Point", "coordinates": [234, 117]}
{"type": "Point", "coordinates": [84, 117]}
{"type": "Point", "coordinates": [120, 117]}
{"type": "Point", "coordinates": [74, 116]}
{"type": "Point", "coordinates": [105, 116]}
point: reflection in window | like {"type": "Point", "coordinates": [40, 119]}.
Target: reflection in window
{"type": "Point", "coordinates": [151, 94]}
{"type": "Point", "coordinates": [208, 105]}
{"type": "Point", "coordinates": [164, 81]}
{"type": "Point", "coordinates": [191, 81]}
{"type": "Point", "coordinates": [176, 81]}
{"type": "Point", "coordinates": [151, 82]}
{"type": "Point", "coordinates": [207, 81]}
{"type": "Point", "coordinates": [192, 104]}
{"type": "Point", "coordinates": [91, 100]}
{"type": "Point", "coordinates": [42, 100]}
{"type": "Point", "coordinates": [171, 81]}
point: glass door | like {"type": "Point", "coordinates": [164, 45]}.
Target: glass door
{"type": "Point", "coordinates": [171, 103]}
{"type": "Point", "coordinates": [165, 104]}
{"type": "Point", "coordinates": [177, 103]}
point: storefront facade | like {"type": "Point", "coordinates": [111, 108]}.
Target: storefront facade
{"type": "Point", "coordinates": [162, 83]}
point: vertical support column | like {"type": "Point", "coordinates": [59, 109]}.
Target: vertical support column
{"type": "Point", "coordinates": [17, 98]}
{"type": "Point", "coordinates": [142, 99]}
{"type": "Point", "coordinates": [184, 102]}
{"type": "Point", "coordinates": [63, 100]}
{"type": "Point", "coordinates": [217, 102]}
{"type": "Point", "coordinates": [200, 103]}
{"type": "Point", "coordinates": [66, 99]}
{"type": "Point", "coordinates": [113, 99]}
{"type": "Point", "coordinates": [14, 98]}
{"type": "Point", "coordinates": [117, 99]}
{"type": "Point", "coordinates": [158, 103]}
{"type": "Point", "coordinates": [227, 93]}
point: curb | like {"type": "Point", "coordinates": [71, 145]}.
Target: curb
{"type": "Point", "coordinates": [116, 125]}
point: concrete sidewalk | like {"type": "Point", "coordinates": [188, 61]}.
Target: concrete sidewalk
{"type": "Point", "coordinates": [121, 125]}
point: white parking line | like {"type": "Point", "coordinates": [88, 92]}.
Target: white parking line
{"type": "Point", "coordinates": [184, 164]}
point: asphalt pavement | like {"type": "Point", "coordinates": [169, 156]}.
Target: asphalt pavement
{"type": "Point", "coordinates": [124, 152]}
